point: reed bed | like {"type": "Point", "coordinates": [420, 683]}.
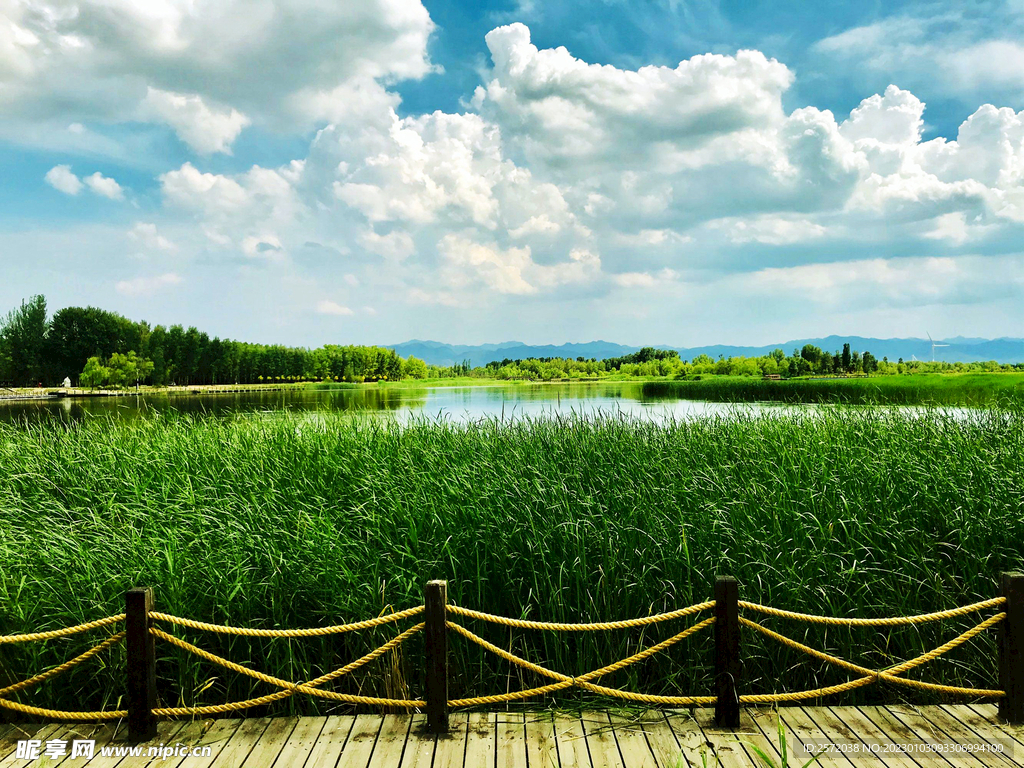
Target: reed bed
{"type": "Point", "coordinates": [966, 389]}
{"type": "Point", "coordinates": [294, 520]}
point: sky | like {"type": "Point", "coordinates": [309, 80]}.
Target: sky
{"type": "Point", "coordinates": [661, 172]}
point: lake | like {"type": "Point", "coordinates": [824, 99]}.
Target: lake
{"type": "Point", "coordinates": [455, 403]}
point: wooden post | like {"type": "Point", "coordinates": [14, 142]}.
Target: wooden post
{"type": "Point", "coordinates": [141, 652]}
{"type": "Point", "coordinates": [1011, 650]}
{"type": "Point", "coordinates": [435, 598]}
{"type": "Point", "coordinates": [727, 652]}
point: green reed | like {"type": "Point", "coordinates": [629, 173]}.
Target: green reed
{"type": "Point", "coordinates": [294, 520]}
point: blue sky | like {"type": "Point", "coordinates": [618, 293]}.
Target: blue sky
{"type": "Point", "coordinates": [668, 172]}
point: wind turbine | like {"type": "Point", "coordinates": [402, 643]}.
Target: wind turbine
{"type": "Point", "coordinates": [934, 345]}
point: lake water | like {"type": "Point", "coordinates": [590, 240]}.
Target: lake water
{"type": "Point", "coordinates": [457, 404]}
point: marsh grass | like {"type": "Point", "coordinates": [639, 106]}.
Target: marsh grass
{"type": "Point", "coordinates": [967, 389]}
{"type": "Point", "coordinates": [296, 520]}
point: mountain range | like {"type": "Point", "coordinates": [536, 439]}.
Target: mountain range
{"type": "Point", "coordinates": [956, 349]}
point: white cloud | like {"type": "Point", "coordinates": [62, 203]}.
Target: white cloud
{"type": "Point", "coordinates": [205, 129]}
{"type": "Point", "coordinates": [189, 188]}
{"type": "Point", "coordinates": [561, 109]}
{"type": "Point", "coordinates": [102, 185]}
{"type": "Point", "coordinates": [266, 246]}
{"type": "Point", "coordinates": [394, 245]}
{"type": "Point", "coordinates": [974, 53]}
{"type": "Point", "coordinates": [146, 234]}
{"type": "Point", "coordinates": [148, 286]}
{"type": "Point", "coordinates": [62, 179]}
{"type": "Point", "coordinates": [773, 230]}
{"type": "Point", "coordinates": [285, 63]}
{"type": "Point", "coordinates": [327, 307]}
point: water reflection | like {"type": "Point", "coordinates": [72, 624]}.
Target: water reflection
{"type": "Point", "coordinates": [458, 404]}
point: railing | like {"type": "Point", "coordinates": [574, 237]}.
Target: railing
{"type": "Point", "coordinates": [141, 633]}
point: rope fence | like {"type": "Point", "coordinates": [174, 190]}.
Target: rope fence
{"type": "Point", "coordinates": [140, 635]}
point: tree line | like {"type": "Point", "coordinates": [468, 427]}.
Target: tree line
{"type": "Point", "coordinates": [94, 347]}
{"type": "Point", "coordinates": [107, 348]}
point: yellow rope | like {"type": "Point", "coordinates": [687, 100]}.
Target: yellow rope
{"type": "Point", "coordinates": [59, 714]}
{"type": "Point", "coordinates": [582, 681]}
{"type": "Point", "coordinates": [215, 709]}
{"type": "Point", "coordinates": [885, 622]}
{"type": "Point", "coordinates": [287, 685]}
{"type": "Point", "coordinates": [112, 640]}
{"type": "Point", "coordinates": [559, 627]}
{"type": "Point", "coordinates": [889, 675]}
{"type": "Point", "coordinates": [312, 632]}
{"type": "Point", "coordinates": [61, 632]}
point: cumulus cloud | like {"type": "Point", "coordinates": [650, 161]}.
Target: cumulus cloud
{"type": "Point", "coordinates": [559, 108]}
{"type": "Point", "coordinates": [203, 68]}
{"type": "Point", "coordinates": [976, 53]}
{"type": "Point", "coordinates": [205, 129]}
{"type": "Point", "coordinates": [564, 178]}
{"type": "Point", "coordinates": [904, 281]}
{"type": "Point", "coordinates": [102, 185]}
{"type": "Point", "coordinates": [62, 179]}
{"type": "Point", "coordinates": [147, 286]}
{"type": "Point", "coordinates": [327, 307]}
{"type": "Point", "coordinates": [394, 245]}
{"type": "Point", "coordinates": [146, 235]}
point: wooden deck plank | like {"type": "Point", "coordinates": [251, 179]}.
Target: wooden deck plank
{"type": "Point", "coordinates": [330, 742]}
{"type": "Point", "coordinates": [361, 741]}
{"type": "Point", "coordinates": [728, 744]}
{"type": "Point", "coordinates": [48, 731]}
{"type": "Point", "coordinates": [241, 743]}
{"type": "Point", "coordinates": [168, 732]}
{"type": "Point", "coordinates": [296, 750]}
{"type": "Point", "coordinates": [900, 725]}
{"type": "Point", "coordinates": [65, 732]}
{"type": "Point", "coordinates": [693, 744]}
{"type": "Point", "coordinates": [912, 717]}
{"type": "Point", "coordinates": [481, 741]}
{"type": "Point", "coordinates": [991, 713]}
{"type": "Point", "coordinates": [961, 733]}
{"type": "Point", "coordinates": [511, 737]}
{"type": "Point", "coordinates": [391, 741]}
{"type": "Point", "coordinates": [541, 744]}
{"type": "Point", "coordinates": [628, 732]}
{"type": "Point", "coordinates": [450, 749]}
{"type": "Point", "coordinates": [270, 743]}
{"type": "Point", "coordinates": [572, 743]}
{"type": "Point", "coordinates": [115, 735]}
{"type": "Point", "coordinates": [214, 734]}
{"type": "Point", "coordinates": [662, 740]}
{"type": "Point", "coordinates": [597, 739]}
{"type": "Point", "coordinates": [601, 742]}
{"type": "Point", "coordinates": [868, 725]}
{"type": "Point", "coordinates": [800, 727]}
{"type": "Point", "coordinates": [419, 747]}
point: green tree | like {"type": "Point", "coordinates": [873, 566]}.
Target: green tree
{"type": "Point", "coordinates": [22, 343]}
{"type": "Point", "coordinates": [847, 358]}
{"type": "Point", "coordinates": [94, 374]}
{"type": "Point", "coordinates": [414, 368]}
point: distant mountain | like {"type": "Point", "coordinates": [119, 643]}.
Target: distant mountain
{"type": "Point", "coordinates": [436, 353]}
{"type": "Point", "coordinates": [966, 350]}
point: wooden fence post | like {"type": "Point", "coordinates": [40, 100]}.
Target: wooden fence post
{"type": "Point", "coordinates": [727, 652]}
{"type": "Point", "coordinates": [141, 652]}
{"type": "Point", "coordinates": [1011, 649]}
{"type": "Point", "coordinates": [435, 599]}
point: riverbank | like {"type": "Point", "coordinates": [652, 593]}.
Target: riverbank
{"type": "Point", "coordinates": [307, 519]}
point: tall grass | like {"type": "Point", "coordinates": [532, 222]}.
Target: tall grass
{"type": "Point", "coordinates": [294, 520]}
{"type": "Point", "coordinates": [969, 389]}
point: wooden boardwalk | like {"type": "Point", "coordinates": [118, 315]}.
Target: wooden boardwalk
{"type": "Point", "coordinates": [597, 739]}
